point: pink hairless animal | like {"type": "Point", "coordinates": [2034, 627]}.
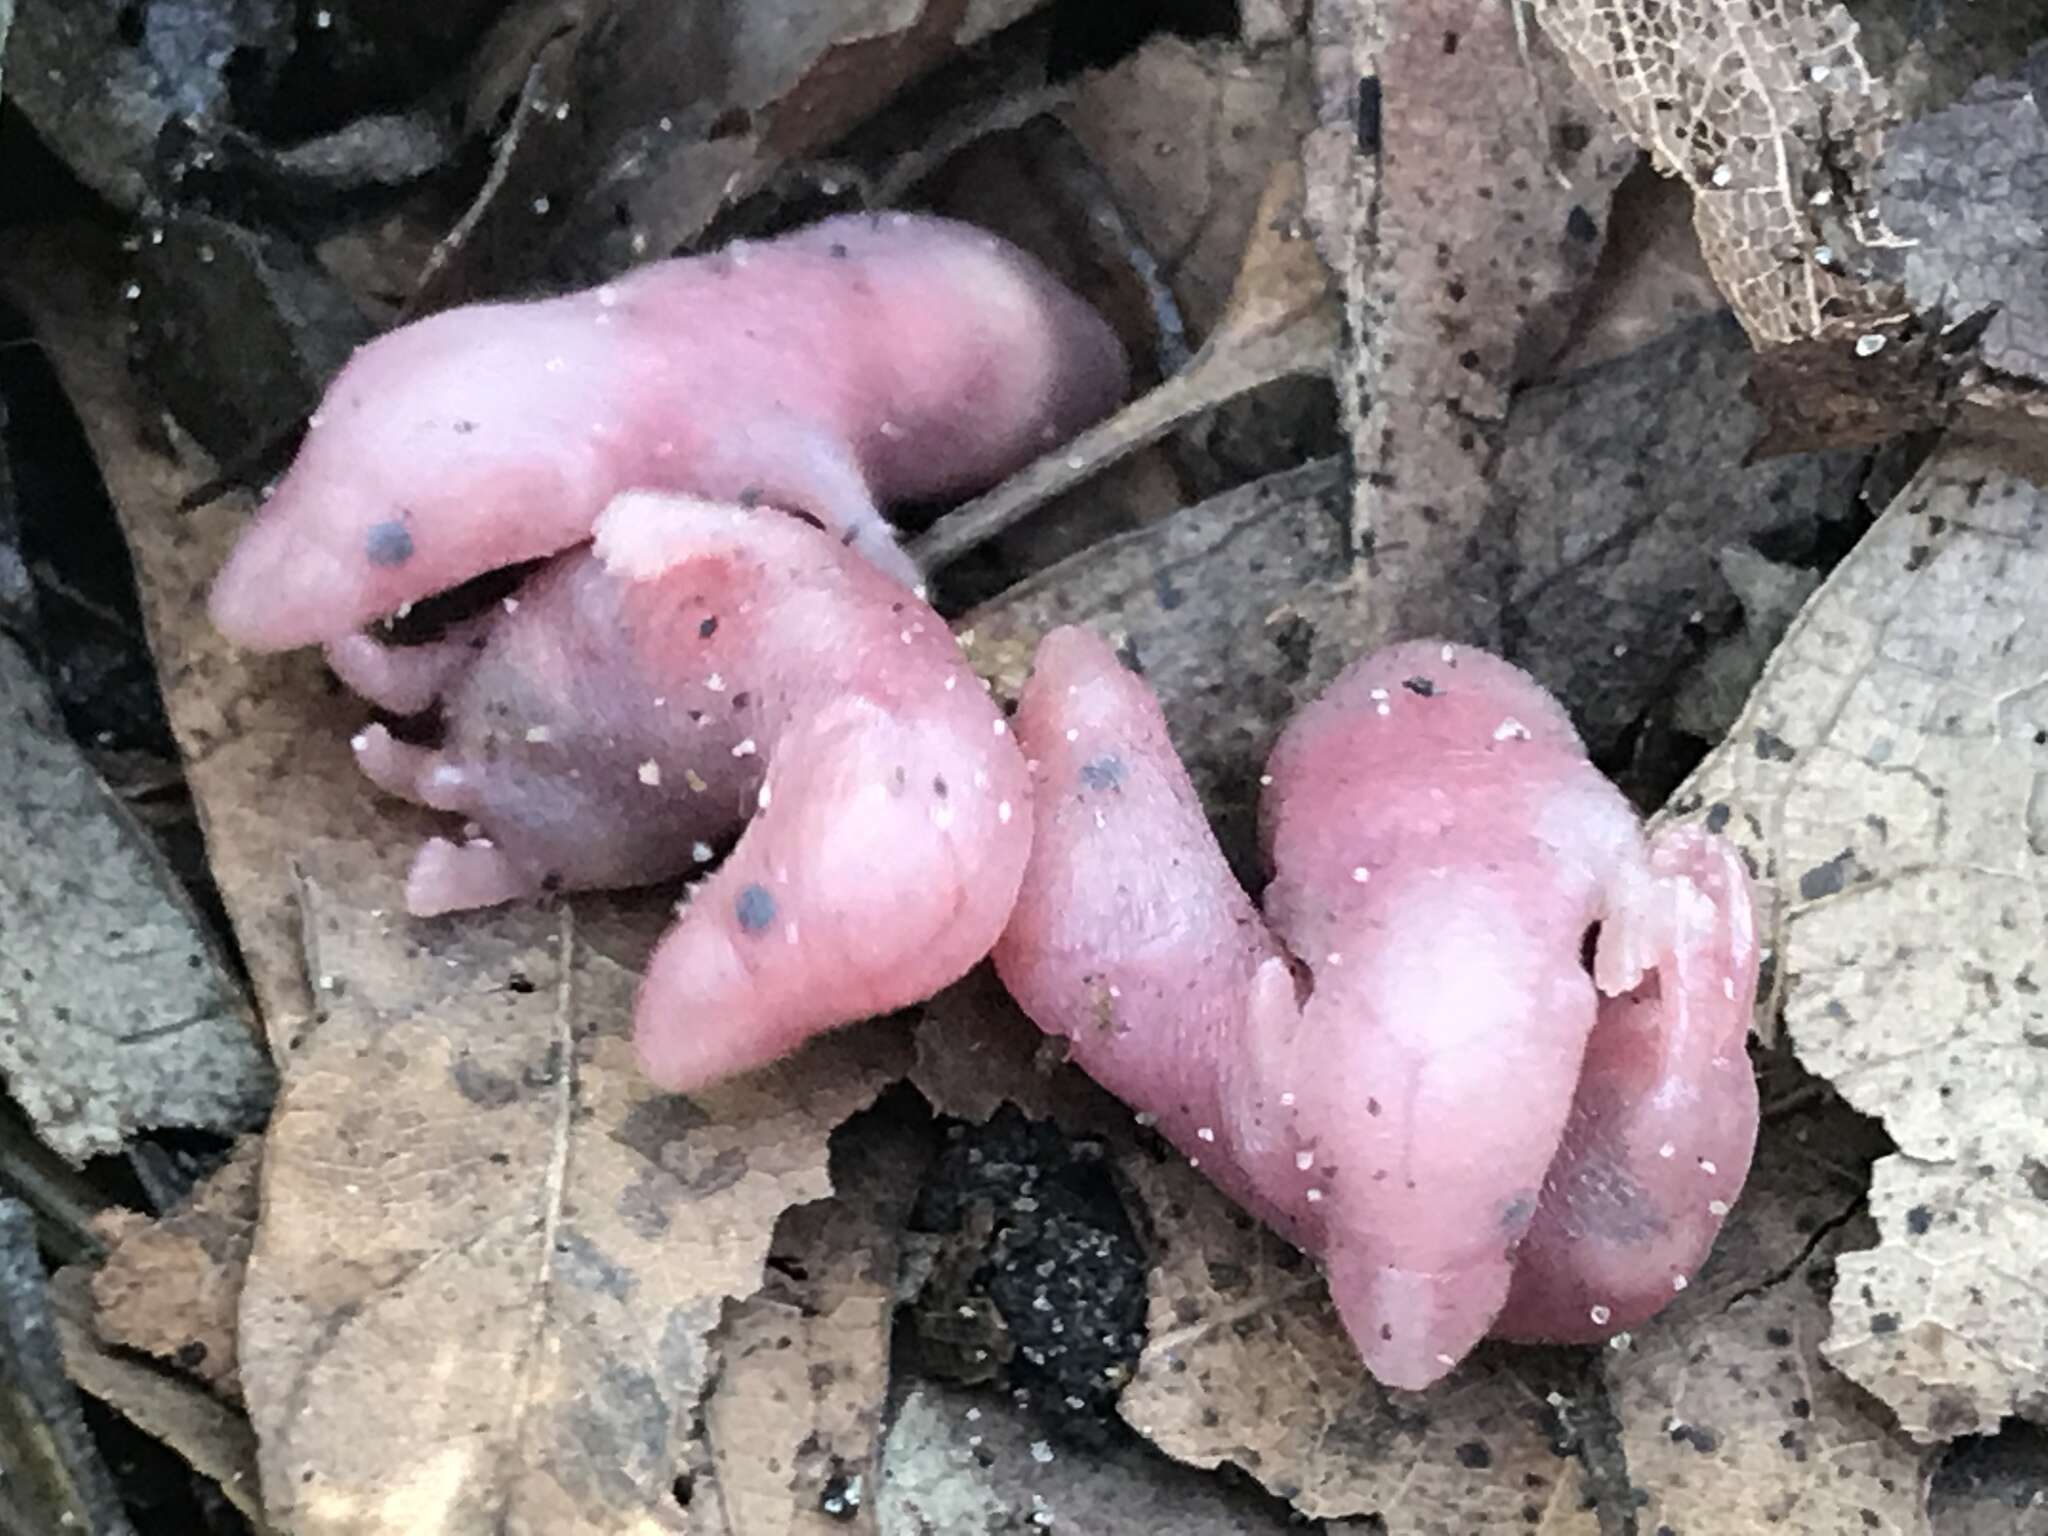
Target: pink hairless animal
{"type": "Point", "coordinates": [1405, 1066]}
{"type": "Point", "coordinates": [695, 655]}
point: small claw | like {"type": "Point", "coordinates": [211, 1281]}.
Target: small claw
{"type": "Point", "coordinates": [446, 877]}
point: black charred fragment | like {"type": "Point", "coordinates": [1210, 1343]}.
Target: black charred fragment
{"type": "Point", "coordinates": [1421, 687]}
{"type": "Point", "coordinates": [755, 908]}
{"type": "Point", "coordinates": [708, 628]}
{"type": "Point", "coordinates": [1580, 225]}
{"type": "Point", "coordinates": [1773, 748]}
{"type": "Point", "coordinates": [1369, 115]}
{"type": "Point", "coordinates": [388, 544]}
{"type": "Point", "coordinates": [1828, 879]}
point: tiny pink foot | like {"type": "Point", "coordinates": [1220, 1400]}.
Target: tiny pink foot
{"type": "Point", "coordinates": [411, 773]}
{"type": "Point", "coordinates": [405, 679]}
{"type": "Point", "coordinates": [446, 877]}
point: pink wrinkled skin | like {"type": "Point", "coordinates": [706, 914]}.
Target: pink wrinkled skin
{"type": "Point", "coordinates": [697, 665]}
{"type": "Point", "coordinates": [859, 361]}
{"type": "Point", "coordinates": [684, 663]}
{"type": "Point", "coordinates": [1405, 1066]}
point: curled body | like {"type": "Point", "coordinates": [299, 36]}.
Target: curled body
{"type": "Point", "coordinates": [1407, 1064]}
{"type": "Point", "coordinates": [859, 361]}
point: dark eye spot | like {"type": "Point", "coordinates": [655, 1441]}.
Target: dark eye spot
{"type": "Point", "coordinates": [388, 543]}
{"type": "Point", "coordinates": [708, 628]}
{"type": "Point", "coordinates": [1105, 772]}
{"type": "Point", "coordinates": [755, 909]}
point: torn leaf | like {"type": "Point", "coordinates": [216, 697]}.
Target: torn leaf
{"type": "Point", "coordinates": [1886, 780]}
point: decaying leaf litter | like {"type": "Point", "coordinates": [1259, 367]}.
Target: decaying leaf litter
{"type": "Point", "coordinates": [490, 1277]}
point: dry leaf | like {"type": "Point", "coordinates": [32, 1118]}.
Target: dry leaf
{"type": "Point", "coordinates": [630, 124]}
{"type": "Point", "coordinates": [173, 1287]}
{"type": "Point", "coordinates": [1886, 781]}
{"type": "Point", "coordinates": [1730, 1420]}
{"type": "Point", "coordinates": [491, 1253]}
{"type": "Point", "coordinates": [795, 1419]}
{"type": "Point", "coordinates": [1968, 185]}
{"type": "Point", "coordinates": [1246, 1362]}
{"type": "Point", "coordinates": [215, 1439]}
{"type": "Point", "coordinates": [1278, 324]}
{"type": "Point", "coordinates": [1756, 108]}
{"type": "Point", "coordinates": [116, 1011]}
{"type": "Point", "coordinates": [1466, 218]}
{"type": "Point", "coordinates": [1616, 490]}
{"type": "Point", "coordinates": [967, 1463]}
{"type": "Point", "coordinates": [1187, 135]}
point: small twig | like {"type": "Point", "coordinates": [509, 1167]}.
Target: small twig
{"type": "Point", "coordinates": [1227, 367]}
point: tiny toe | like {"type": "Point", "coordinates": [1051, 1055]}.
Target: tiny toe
{"type": "Point", "coordinates": [446, 877]}
{"type": "Point", "coordinates": [392, 765]}
{"type": "Point", "coordinates": [404, 679]}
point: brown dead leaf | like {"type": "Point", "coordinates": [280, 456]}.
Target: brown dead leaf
{"type": "Point", "coordinates": [212, 1437]}
{"type": "Point", "coordinates": [1187, 135]}
{"type": "Point", "coordinates": [795, 1419]}
{"type": "Point", "coordinates": [491, 1253]}
{"type": "Point", "coordinates": [117, 1013]}
{"type": "Point", "coordinates": [173, 1288]}
{"type": "Point", "coordinates": [1246, 1362]}
{"type": "Point", "coordinates": [638, 121]}
{"type": "Point", "coordinates": [1730, 1419]}
{"type": "Point", "coordinates": [1885, 780]}
{"type": "Point", "coordinates": [976, 1051]}
{"type": "Point", "coordinates": [1465, 218]}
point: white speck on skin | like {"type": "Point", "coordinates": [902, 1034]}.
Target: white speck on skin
{"type": "Point", "coordinates": [1728, 988]}
{"type": "Point", "coordinates": [1360, 874]}
{"type": "Point", "coordinates": [765, 797]}
{"type": "Point", "coordinates": [1287, 1101]}
{"type": "Point", "coordinates": [1667, 1150]}
{"type": "Point", "coordinates": [1072, 734]}
{"type": "Point", "coordinates": [1679, 1282]}
{"type": "Point", "coordinates": [1265, 781]}
{"type": "Point", "coordinates": [510, 605]}
{"type": "Point", "coordinates": [650, 773]}
{"type": "Point", "coordinates": [715, 683]}
{"type": "Point", "coordinates": [1717, 1207]}
{"type": "Point", "coordinates": [1001, 726]}
{"type": "Point", "coordinates": [359, 741]}
{"type": "Point", "coordinates": [1205, 1134]}
{"type": "Point", "coordinates": [1304, 1161]}
{"type": "Point", "coordinates": [1600, 1315]}
{"type": "Point", "coordinates": [1003, 812]}
{"type": "Point", "coordinates": [695, 780]}
{"type": "Point", "coordinates": [1511, 729]}
{"type": "Point", "coordinates": [1313, 1196]}
{"type": "Point", "coordinates": [952, 683]}
{"type": "Point", "coordinates": [701, 852]}
{"type": "Point", "coordinates": [745, 748]}
{"type": "Point", "coordinates": [539, 733]}
{"type": "Point", "coordinates": [942, 816]}
{"type": "Point", "coordinates": [1707, 1167]}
